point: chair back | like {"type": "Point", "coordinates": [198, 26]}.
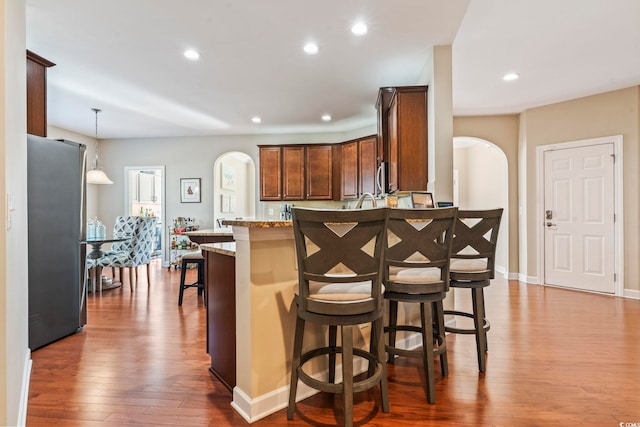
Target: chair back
{"type": "Point", "coordinates": [418, 250]}
{"type": "Point", "coordinates": [140, 231]}
{"type": "Point", "coordinates": [340, 260]}
{"type": "Point", "coordinates": [473, 254]}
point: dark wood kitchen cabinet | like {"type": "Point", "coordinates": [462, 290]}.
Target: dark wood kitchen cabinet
{"type": "Point", "coordinates": [297, 172]}
{"type": "Point", "coordinates": [403, 136]}
{"type": "Point", "coordinates": [270, 173]}
{"type": "Point", "coordinates": [293, 171]}
{"type": "Point", "coordinates": [358, 167]}
{"type": "Point", "coordinates": [319, 171]}
{"type": "Point", "coordinates": [220, 273]}
{"type": "Point", "coordinates": [37, 93]}
{"type": "Point", "coordinates": [349, 170]}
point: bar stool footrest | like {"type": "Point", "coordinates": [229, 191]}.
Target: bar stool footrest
{"type": "Point", "coordinates": [417, 353]}
{"type": "Point", "coordinates": [358, 386]}
{"type": "Point", "coordinates": [486, 325]}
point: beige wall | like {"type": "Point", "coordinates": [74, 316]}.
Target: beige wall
{"type": "Point", "coordinates": [607, 114]}
{"type": "Point", "coordinates": [14, 352]}
{"type": "Point", "coordinates": [482, 187]}
{"type": "Point", "coordinates": [501, 131]}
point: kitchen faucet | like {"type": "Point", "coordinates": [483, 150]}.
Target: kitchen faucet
{"type": "Point", "coordinates": [364, 196]}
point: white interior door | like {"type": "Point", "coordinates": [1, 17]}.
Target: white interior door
{"type": "Point", "coordinates": [579, 218]}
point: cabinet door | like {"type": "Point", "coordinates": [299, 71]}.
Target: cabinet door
{"type": "Point", "coordinates": [349, 171]}
{"type": "Point", "coordinates": [392, 173]}
{"type": "Point", "coordinates": [319, 163]}
{"type": "Point", "coordinates": [157, 189]}
{"type": "Point", "coordinates": [293, 173]}
{"type": "Point", "coordinates": [270, 173]}
{"type": "Point", "coordinates": [145, 183]}
{"type": "Point", "coordinates": [368, 165]}
{"type": "Point", "coordinates": [412, 139]}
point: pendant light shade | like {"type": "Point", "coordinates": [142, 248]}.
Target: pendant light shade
{"type": "Point", "coordinates": [96, 175]}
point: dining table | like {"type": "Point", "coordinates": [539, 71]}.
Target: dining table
{"type": "Point", "coordinates": [95, 253]}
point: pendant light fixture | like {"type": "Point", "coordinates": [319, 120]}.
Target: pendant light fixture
{"type": "Point", "coordinates": [96, 175]}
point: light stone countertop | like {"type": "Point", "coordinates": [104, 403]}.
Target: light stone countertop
{"type": "Point", "coordinates": [257, 223]}
{"type": "Point", "coordinates": [226, 231]}
{"type": "Point", "coordinates": [224, 248]}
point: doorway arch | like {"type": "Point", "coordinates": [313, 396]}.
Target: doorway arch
{"type": "Point", "coordinates": [482, 182]}
{"type": "Point", "coordinates": [234, 189]}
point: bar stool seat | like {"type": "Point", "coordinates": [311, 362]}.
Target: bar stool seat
{"type": "Point", "coordinates": [197, 258]}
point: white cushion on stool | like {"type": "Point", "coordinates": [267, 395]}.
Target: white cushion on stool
{"type": "Point", "coordinates": [196, 255]}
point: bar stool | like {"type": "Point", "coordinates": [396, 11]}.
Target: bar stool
{"type": "Point", "coordinates": [340, 261]}
{"type": "Point", "coordinates": [191, 258]}
{"type": "Point", "coordinates": [417, 271]}
{"type": "Point", "coordinates": [472, 267]}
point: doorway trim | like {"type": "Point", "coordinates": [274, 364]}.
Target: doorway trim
{"type": "Point", "coordinates": [618, 203]}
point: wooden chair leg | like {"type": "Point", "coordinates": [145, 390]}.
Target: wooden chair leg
{"type": "Point", "coordinates": [148, 275]}
{"type": "Point", "coordinates": [427, 347]}
{"type": "Point", "coordinates": [378, 326]}
{"type": "Point", "coordinates": [183, 274]}
{"type": "Point", "coordinates": [131, 278]}
{"type": "Point", "coordinates": [438, 319]}
{"type": "Point", "coordinates": [295, 363]}
{"type": "Point", "coordinates": [333, 339]}
{"type": "Point", "coordinates": [477, 296]}
{"type": "Point", "coordinates": [393, 321]}
{"type": "Point", "coordinates": [136, 271]}
{"type": "Point", "coordinates": [347, 373]}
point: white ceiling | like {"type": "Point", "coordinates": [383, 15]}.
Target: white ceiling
{"type": "Point", "coordinates": [125, 57]}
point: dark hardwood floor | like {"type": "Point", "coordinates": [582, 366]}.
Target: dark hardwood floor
{"type": "Point", "coordinates": [556, 358]}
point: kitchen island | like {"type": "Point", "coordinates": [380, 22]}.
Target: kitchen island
{"type": "Point", "coordinates": [264, 310]}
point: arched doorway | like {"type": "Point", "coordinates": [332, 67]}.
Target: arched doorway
{"type": "Point", "coordinates": [234, 192]}
{"type": "Point", "coordinates": [481, 181]}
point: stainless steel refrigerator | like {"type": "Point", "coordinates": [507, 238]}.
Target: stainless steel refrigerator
{"type": "Point", "coordinates": [56, 225]}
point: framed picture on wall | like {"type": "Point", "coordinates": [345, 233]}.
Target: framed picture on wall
{"type": "Point", "coordinates": [190, 190]}
{"type": "Point", "coordinates": [228, 173]}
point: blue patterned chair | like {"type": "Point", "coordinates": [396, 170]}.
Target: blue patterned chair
{"type": "Point", "coordinates": [131, 253]}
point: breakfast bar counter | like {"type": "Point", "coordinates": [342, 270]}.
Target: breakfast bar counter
{"type": "Point", "coordinates": [264, 312]}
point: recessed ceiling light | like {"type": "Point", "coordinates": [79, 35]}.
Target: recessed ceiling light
{"type": "Point", "coordinates": [191, 54]}
{"type": "Point", "coordinates": [256, 119]}
{"type": "Point", "coordinates": [511, 76]}
{"type": "Point", "coordinates": [326, 117]}
{"type": "Point", "coordinates": [359, 29]}
{"type": "Point", "coordinates": [311, 48]}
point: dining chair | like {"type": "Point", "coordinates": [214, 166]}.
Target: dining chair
{"type": "Point", "coordinates": [133, 252]}
{"type": "Point", "coordinates": [417, 272]}
{"type": "Point", "coordinates": [340, 260]}
{"type": "Point", "coordinates": [472, 267]}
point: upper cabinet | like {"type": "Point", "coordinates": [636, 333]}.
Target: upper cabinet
{"type": "Point", "coordinates": [402, 133]}
{"type": "Point", "coordinates": [358, 167]}
{"type": "Point", "coordinates": [270, 173]}
{"type": "Point", "coordinates": [319, 164]}
{"type": "Point", "coordinates": [37, 94]}
{"type": "Point", "coordinates": [293, 171]}
{"type": "Point", "coordinates": [296, 172]}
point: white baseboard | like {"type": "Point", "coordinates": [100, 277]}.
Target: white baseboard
{"type": "Point", "coordinates": [531, 280]}
{"type": "Point", "coordinates": [631, 294]}
{"type": "Point", "coordinates": [24, 392]}
{"type": "Point", "coordinates": [253, 410]}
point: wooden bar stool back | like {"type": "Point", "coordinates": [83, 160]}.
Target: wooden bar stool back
{"type": "Point", "coordinates": [472, 267]}
{"type": "Point", "coordinates": [417, 271]}
{"type": "Point", "coordinates": [340, 261]}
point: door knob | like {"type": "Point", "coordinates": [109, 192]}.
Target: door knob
{"type": "Point", "coordinates": [549, 224]}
